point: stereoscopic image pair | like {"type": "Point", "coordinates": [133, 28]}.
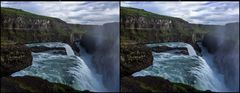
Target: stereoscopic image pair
{"type": "Point", "coordinates": [119, 46]}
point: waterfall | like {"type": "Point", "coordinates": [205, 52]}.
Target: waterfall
{"type": "Point", "coordinates": [188, 69]}
{"type": "Point", "coordinates": [67, 69]}
{"type": "Point", "coordinates": [69, 50]}
{"type": "Point", "coordinates": [191, 50]}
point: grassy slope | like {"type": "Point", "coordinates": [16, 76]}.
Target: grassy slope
{"type": "Point", "coordinates": [19, 12]}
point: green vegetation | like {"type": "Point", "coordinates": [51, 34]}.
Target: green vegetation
{"type": "Point", "coordinates": [19, 12]}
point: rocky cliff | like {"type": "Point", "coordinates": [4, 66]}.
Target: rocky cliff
{"type": "Point", "coordinates": [24, 27]}
{"type": "Point", "coordinates": [138, 25]}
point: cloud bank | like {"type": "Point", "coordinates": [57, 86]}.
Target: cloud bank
{"type": "Point", "coordinates": [218, 13]}
{"type": "Point", "coordinates": [96, 13]}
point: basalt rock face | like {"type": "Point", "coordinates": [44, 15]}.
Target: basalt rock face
{"type": "Point", "coordinates": [32, 84]}
{"type": "Point", "coordinates": [14, 58]}
{"type": "Point", "coordinates": [138, 25]}
{"type": "Point", "coordinates": [223, 43]}
{"type": "Point", "coordinates": [134, 58]}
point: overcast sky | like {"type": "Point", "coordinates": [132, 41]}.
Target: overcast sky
{"type": "Point", "coordinates": [218, 13]}
{"type": "Point", "coordinates": [72, 12]}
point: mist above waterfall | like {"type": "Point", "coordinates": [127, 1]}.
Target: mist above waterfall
{"type": "Point", "coordinates": [224, 44]}
{"type": "Point", "coordinates": [103, 44]}
{"type": "Point", "coordinates": [227, 56]}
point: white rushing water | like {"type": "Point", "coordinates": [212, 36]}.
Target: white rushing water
{"type": "Point", "coordinates": [66, 69]}
{"type": "Point", "coordinates": [188, 69]}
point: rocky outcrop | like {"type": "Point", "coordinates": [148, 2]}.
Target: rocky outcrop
{"type": "Point", "coordinates": [14, 57]}
{"type": "Point", "coordinates": [134, 58]}
{"type": "Point", "coordinates": [153, 84]}
{"type": "Point", "coordinates": [32, 84]}
{"type": "Point", "coordinates": [223, 43]}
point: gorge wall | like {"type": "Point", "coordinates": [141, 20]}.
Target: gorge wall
{"type": "Point", "coordinates": [140, 26]}
{"type": "Point", "coordinates": [24, 27]}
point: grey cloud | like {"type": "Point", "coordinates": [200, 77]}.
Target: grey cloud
{"type": "Point", "coordinates": [79, 12]}
{"type": "Point", "coordinates": [197, 12]}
